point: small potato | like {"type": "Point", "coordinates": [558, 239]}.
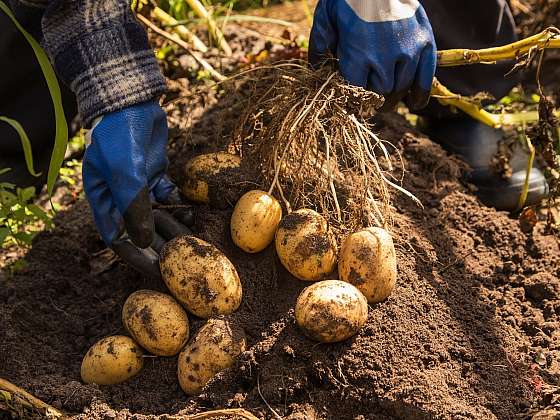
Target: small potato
{"type": "Point", "coordinates": [200, 277]}
{"type": "Point", "coordinates": [331, 311]}
{"type": "Point", "coordinates": [254, 221]}
{"type": "Point", "coordinates": [368, 261]}
{"type": "Point", "coordinates": [213, 349]}
{"type": "Point", "coordinates": [203, 171]}
{"type": "Point", "coordinates": [156, 321]}
{"type": "Point", "coordinates": [305, 245]}
{"type": "Point", "coordinates": [112, 360]}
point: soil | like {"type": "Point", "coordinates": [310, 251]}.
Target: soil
{"type": "Point", "coordinates": [471, 331]}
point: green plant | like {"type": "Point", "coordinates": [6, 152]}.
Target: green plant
{"type": "Point", "coordinates": [20, 218]}
{"type": "Point", "coordinates": [61, 135]}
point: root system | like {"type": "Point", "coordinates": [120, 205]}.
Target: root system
{"type": "Point", "coordinates": [309, 134]}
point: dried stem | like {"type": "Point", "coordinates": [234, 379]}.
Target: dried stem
{"type": "Point", "coordinates": [216, 33]}
{"type": "Point", "coordinates": [175, 38]}
{"type": "Point", "coordinates": [13, 392]}
{"type": "Point", "coordinates": [165, 19]}
{"type": "Point", "coordinates": [549, 38]}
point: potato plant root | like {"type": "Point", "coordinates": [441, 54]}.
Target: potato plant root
{"type": "Point", "coordinates": [308, 133]}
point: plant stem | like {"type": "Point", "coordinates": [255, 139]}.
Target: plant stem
{"type": "Point", "coordinates": [448, 98]}
{"type": "Point", "coordinates": [167, 20]}
{"type": "Point", "coordinates": [549, 38]}
{"type": "Point", "coordinates": [530, 161]}
{"type": "Point", "coordinates": [216, 33]}
{"type": "Point", "coordinates": [175, 38]}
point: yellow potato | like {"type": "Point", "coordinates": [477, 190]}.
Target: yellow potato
{"type": "Point", "coordinates": [305, 245]}
{"type": "Point", "coordinates": [331, 310]}
{"type": "Point", "coordinates": [368, 261]}
{"type": "Point", "coordinates": [254, 221]}
{"type": "Point", "coordinates": [156, 321]}
{"type": "Point", "coordinates": [213, 349]}
{"type": "Point", "coordinates": [112, 360]}
{"type": "Point", "coordinates": [201, 170]}
{"type": "Point", "coordinates": [200, 277]}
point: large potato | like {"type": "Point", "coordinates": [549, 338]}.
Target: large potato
{"type": "Point", "coordinates": [202, 175]}
{"type": "Point", "coordinates": [368, 261]}
{"type": "Point", "coordinates": [213, 349]}
{"type": "Point", "coordinates": [156, 321]}
{"type": "Point", "coordinates": [112, 360]}
{"type": "Point", "coordinates": [331, 311]}
{"type": "Point", "coordinates": [305, 245]}
{"type": "Point", "coordinates": [254, 221]}
{"type": "Point", "coordinates": [200, 276]}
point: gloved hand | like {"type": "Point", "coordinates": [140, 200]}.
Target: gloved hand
{"type": "Point", "coordinates": [124, 173]}
{"type": "Point", "coordinates": [386, 46]}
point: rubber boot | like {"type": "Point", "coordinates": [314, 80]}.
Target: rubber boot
{"type": "Point", "coordinates": [477, 144]}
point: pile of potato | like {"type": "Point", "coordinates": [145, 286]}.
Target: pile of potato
{"type": "Point", "coordinates": [203, 282]}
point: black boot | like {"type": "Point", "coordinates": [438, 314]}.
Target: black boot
{"type": "Point", "coordinates": [477, 144]}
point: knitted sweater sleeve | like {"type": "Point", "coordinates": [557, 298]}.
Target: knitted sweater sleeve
{"type": "Point", "coordinates": [98, 49]}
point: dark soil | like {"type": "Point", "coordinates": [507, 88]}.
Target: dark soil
{"type": "Point", "coordinates": [471, 331]}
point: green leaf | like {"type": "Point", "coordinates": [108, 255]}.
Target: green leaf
{"type": "Point", "coordinates": [61, 136]}
{"type": "Point", "coordinates": [5, 170]}
{"type": "Point", "coordinates": [25, 143]}
{"type": "Point", "coordinates": [7, 185]}
{"type": "Point", "coordinates": [8, 199]}
{"type": "Point", "coordinates": [38, 212]}
{"type": "Point", "coordinates": [26, 194]}
{"type": "Point", "coordinates": [24, 237]}
{"type": "Point", "coordinates": [4, 233]}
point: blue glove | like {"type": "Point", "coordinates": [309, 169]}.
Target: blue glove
{"type": "Point", "coordinates": [386, 46]}
{"type": "Point", "coordinates": [124, 172]}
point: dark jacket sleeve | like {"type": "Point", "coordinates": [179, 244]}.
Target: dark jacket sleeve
{"type": "Point", "coordinates": [98, 49]}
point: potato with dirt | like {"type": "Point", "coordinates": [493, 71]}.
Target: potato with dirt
{"type": "Point", "coordinates": [331, 310]}
{"type": "Point", "coordinates": [206, 173]}
{"type": "Point", "coordinates": [369, 262]}
{"type": "Point", "coordinates": [255, 220]}
{"type": "Point", "coordinates": [156, 321]}
{"type": "Point", "coordinates": [214, 348]}
{"type": "Point", "coordinates": [112, 360]}
{"type": "Point", "coordinates": [200, 277]}
{"type": "Point", "coordinates": [306, 245]}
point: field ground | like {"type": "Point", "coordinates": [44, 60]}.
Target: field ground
{"type": "Point", "coordinates": [471, 332]}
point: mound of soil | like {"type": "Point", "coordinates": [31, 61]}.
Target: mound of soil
{"type": "Point", "coordinates": [471, 330]}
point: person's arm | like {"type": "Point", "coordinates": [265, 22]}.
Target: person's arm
{"type": "Point", "coordinates": [101, 52]}
{"type": "Point", "coordinates": [383, 45]}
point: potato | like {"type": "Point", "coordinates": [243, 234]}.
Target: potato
{"type": "Point", "coordinates": [331, 311]}
{"type": "Point", "coordinates": [305, 245]}
{"type": "Point", "coordinates": [156, 321]}
{"type": "Point", "coordinates": [213, 349]}
{"type": "Point", "coordinates": [368, 261]}
{"type": "Point", "coordinates": [254, 221]}
{"type": "Point", "coordinates": [112, 360]}
{"type": "Point", "coordinates": [201, 170]}
{"type": "Point", "coordinates": [200, 277]}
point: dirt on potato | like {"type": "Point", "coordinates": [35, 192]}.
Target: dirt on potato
{"type": "Point", "coordinates": [471, 330]}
